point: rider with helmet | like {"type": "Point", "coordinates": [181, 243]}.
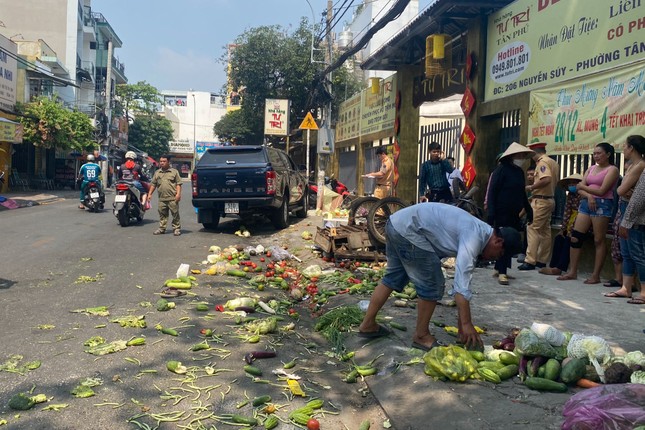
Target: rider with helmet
{"type": "Point", "coordinates": [132, 171]}
{"type": "Point", "coordinates": [90, 171]}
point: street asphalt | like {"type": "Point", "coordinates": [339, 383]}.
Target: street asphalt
{"type": "Point", "coordinates": [409, 399]}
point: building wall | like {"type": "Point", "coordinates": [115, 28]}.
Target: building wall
{"type": "Point", "coordinates": [372, 11]}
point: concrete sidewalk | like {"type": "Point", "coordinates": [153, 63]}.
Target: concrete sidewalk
{"type": "Point", "coordinates": [410, 397]}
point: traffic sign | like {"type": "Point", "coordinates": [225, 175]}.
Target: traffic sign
{"type": "Point", "coordinates": [309, 123]}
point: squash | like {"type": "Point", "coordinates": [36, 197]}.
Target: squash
{"type": "Point", "coordinates": [573, 370]}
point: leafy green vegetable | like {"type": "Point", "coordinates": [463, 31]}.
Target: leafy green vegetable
{"type": "Point", "coordinates": [13, 365]}
{"type": "Point", "coordinates": [132, 321]}
{"type": "Point", "coordinates": [99, 311]}
{"type": "Point", "coordinates": [83, 391]}
{"type": "Point", "coordinates": [107, 348]}
{"type": "Point", "coordinates": [94, 341]}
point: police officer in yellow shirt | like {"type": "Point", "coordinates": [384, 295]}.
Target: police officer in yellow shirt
{"type": "Point", "coordinates": [547, 175]}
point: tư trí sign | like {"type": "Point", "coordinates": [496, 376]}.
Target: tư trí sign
{"type": "Point", "coordinates": [276, 117]}
{"type": "Point", "coordinates": [8, 73]}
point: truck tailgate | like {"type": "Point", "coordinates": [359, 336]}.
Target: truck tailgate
{"type": "Point", "coordinates": [222, 183]}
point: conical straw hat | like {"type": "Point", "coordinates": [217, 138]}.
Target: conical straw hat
{"type": "Point", "coordinates": [516, 148]}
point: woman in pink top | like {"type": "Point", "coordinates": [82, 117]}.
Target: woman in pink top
{"type": "Point", "coordinates": [595, 210]}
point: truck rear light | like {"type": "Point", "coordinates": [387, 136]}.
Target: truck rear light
{"type": "Point", "coordinates": [270, 178]}
{"type": "Point", "coordinates": [193, 180]}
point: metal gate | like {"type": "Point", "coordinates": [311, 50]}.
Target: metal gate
{"type": "Point", "coordinates": [445, 133]}
{"type": "Point", "coordinates": [510, 131]}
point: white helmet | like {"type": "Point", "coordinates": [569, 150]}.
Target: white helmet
{"type": "Point", "coordinates": [131, 155]}
{"type": "Point", "coordinates": [90, 157]}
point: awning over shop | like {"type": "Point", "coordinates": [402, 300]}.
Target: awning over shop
{"type": "Point", "coordinates": [38, 74]}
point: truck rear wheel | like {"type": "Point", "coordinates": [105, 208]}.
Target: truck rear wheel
{"type": "Point", "coordinates": [302, 213]}
{"type": "Point", "coordinates": [211, 225]}
{"type": "Point", "coordinates": [280, 218]}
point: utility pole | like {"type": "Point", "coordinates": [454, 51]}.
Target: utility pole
{"type": "Point", "coordinates": [108, 112]}
{"type": "Point", "coordinates": [324, 159]}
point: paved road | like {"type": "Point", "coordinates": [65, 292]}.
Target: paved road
{"type": "Point", "coordinates": [46, 248]}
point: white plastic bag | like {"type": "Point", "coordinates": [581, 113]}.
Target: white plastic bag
{"type": "Point", "coordinates": [183, 270]}
{"type": "Point", "coordinates": [593, 347]}
{"type": "Point", "coordinates": [549, 333]}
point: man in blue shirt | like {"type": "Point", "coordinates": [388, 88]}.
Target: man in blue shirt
{"type": "Point", "coordinates": [418, 237]}
{"type": "Point", "coordinates": [90, 171]}
{"type": "Point", "coordinates": [433, 177]}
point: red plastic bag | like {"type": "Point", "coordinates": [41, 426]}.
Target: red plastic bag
{"type": "Point", "coordinates": [607, 407]}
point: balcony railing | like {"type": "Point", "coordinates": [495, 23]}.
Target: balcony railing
{"type": "Point", "coordinates": [118, 65]}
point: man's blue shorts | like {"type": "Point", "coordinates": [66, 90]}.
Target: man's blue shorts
{"type": "Point", "coordinates": [604, 208]}
{"type": "Point", "coordinates": [409, 263]}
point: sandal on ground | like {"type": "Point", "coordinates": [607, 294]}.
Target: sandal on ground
{"type": "Point", "coordinates": [550, 271]}
{"type": "Point", "coordinates": [567, 277]}
{"type": "Point", "coordinates": [177, 232]}
{"type": "Point", "coordinates": [612, 283]}
{"type": "Point", "coordinates": [616, 295]}
{"type": "Point", "coordinates": [81, 206]}
{"type": "Point", "coordinates": [159, 231]}
{"type": "Point", "coordinates": [636, 301]}
{"type": "Point", "coordinates": [591, 281]}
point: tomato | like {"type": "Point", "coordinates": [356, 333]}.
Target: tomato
{"type": "Point", "coordinates": [271, 266]}
{"type": "Point", "coordinates": [268, 253]}
{"type": "Point", "coordinates": [253, 265]}
{"type": "Point", "coordinates": [314, 279]}
{"type": "Point", "coordinates": [230, 257]}
{"type": "Point", "coordinates": [262, 259]}
{"type": "Point", "coordinates": [342, 264]}
{"type": "Point", "coordinates": [284, 276]}
{"type": "Point", "coordinates": [313, 424]}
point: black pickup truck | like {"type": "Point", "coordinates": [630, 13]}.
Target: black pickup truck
{"type": "Point", "coordinates": [247, 181]}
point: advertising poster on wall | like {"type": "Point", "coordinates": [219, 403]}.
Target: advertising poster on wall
{"type": "Point", "coordinates": [349, 118]}
{"type": "Point", "coordinates": [8, 73]}
{"type": "Point", "coordinates": [537, 43]}
{"type": "Point", "coordinates": [378, 110]}
{"type": "Point", "coordinates": [276, 117]}
{"type": "Point", "coordinates": [574, 117]}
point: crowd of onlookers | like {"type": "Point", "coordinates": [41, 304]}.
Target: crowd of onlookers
{"type": "Point", "coordinates": [598, 201]}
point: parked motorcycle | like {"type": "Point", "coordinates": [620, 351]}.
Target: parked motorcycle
{"type": "Point", "coordinates": [94, 198]}
{"type": "Point", "coordinates": [127, 203]}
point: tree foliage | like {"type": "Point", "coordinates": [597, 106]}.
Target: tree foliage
{"type": "Point", "coordinates": [234, 127]}
{"type": "Point", "coordinates": [151, 133]}
{"type": "Point", "coordinates": [48, 124]}
{"type": "Point", "coordinates": [139, 98]}
{"type": "Point", "coordinates": [270, 63]}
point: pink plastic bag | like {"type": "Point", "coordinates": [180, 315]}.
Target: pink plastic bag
{"type": "Point", "coordinates": [607, 407]}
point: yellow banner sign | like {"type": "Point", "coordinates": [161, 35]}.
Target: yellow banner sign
{"type": "Point", "coordinates": [574, 117]}
{"type": "Point", "coordinates": [536, 43]}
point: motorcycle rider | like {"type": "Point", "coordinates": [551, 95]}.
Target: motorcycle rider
{"type": "Point", "coordinates": [133, 172]}
{"type": "Point", "coordinates": [90, 171]}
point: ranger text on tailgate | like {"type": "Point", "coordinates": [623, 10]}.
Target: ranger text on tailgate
{"type": "Point", "coordinates": [247, 181]}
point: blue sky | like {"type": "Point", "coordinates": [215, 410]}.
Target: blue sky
{"type": "Point", "coordinates": [177, 44]}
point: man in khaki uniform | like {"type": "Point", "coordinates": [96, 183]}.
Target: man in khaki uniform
{"type": "Point", "coordinates": [168, 183]}
{"type": "Point", "coordinates": [547, 175]}
{"type": "Point", "coordinates": [384, 175]}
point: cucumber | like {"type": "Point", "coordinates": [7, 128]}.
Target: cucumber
{"type": "Point", "coordinates": [509, 358]}
{"type": "Point", "coordinates": [240, 419]}
{"type": "Point", "coordinates": [398, 326]}
{"type": "Point", "coordinates": [542, 384]}
{"type": "Point", "coordinates": [477, 355]}
{"type": "Point", "coordinates": [258, 401]}
{"type": "Point", "coordinates": [507, 372]}
{"type": "Point", "coordinates": [552, 369]}
{"type": "Point", "coordinates": [201, 307]}
{"type": "Point", "coordinates": [252, 370]}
